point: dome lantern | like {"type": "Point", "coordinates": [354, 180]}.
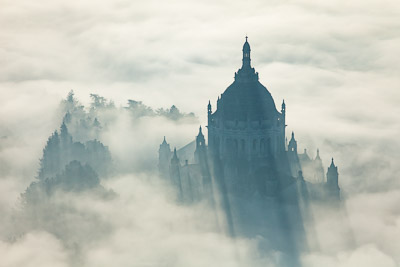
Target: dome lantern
{"type": "Point", "coordinates": [246, 54]}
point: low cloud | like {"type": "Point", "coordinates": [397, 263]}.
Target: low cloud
{"type": "Point", "coordinates": [334, 64]}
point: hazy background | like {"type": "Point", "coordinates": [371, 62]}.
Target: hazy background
{"type": "Point", "coordinates": [335, 64]}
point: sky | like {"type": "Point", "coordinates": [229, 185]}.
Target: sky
{"type": "Point", "coordinates": [336, 64]}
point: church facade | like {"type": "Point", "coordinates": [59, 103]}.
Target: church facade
{"type": "Point", "coordinates": [247, 152]}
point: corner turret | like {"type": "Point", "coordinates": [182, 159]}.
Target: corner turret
{"type": "Point", "coordinates": [333, 181]}
{"type": "Point", "coordinates": [318, 157]}
{"type": "Point", "coordinates": [164, 156]}
{"type": "Point", "coordinates": [175, 159]}
{"type": "Point", "coordinates": [292, 144]}
{"type": "Point", "coordinates": [209, 112]}
{"type": "Point", "coordinates": [200, 146]}
{"type": "Point", "coordinates": [319, 175]}
{"type": "Point", "coordinates": [175, 173]}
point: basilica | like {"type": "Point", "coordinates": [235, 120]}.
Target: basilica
{"type": "Point", "coordinates": [248, 154]}
{"type": "Point", "coordinates": [255, 179]}
{"type": "Point", "coordinates": [257, 182]}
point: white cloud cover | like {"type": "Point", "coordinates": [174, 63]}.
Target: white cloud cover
{"type": "Point", "coordinates": [336, 65]}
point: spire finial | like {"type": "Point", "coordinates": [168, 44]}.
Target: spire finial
{"type": "Point", "coordinates": [164, 142]}
{"type": "Point", "coordinates": [246, 37]}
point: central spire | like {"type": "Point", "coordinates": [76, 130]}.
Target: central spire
{"type": "Point", "coordinates": [246, 55]}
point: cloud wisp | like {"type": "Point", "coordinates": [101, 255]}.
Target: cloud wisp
{"type": "Point", "coordinates": [336, 65]}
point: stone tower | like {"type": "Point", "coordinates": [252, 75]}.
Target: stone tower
{"type": "Point", "coordinates": [201, 150]}
{"type": "Point", "coordinates": [332, 181]}
{"type": "Point", "coordinates": [164, 156]}
{"type": "Point", "coordinates": [175, 173]}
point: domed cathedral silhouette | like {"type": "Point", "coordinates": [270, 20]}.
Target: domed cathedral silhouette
{"type": "Point", "coordinates": [248, 169]}
{"type": "Point", "coordinates": [246, 133]}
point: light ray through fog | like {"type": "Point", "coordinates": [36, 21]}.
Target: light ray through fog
{"type": "Point", "coordinates": [335, 64]}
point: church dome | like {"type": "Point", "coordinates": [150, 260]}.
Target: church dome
{"type": "Point", "coordinates": [246, 98]}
